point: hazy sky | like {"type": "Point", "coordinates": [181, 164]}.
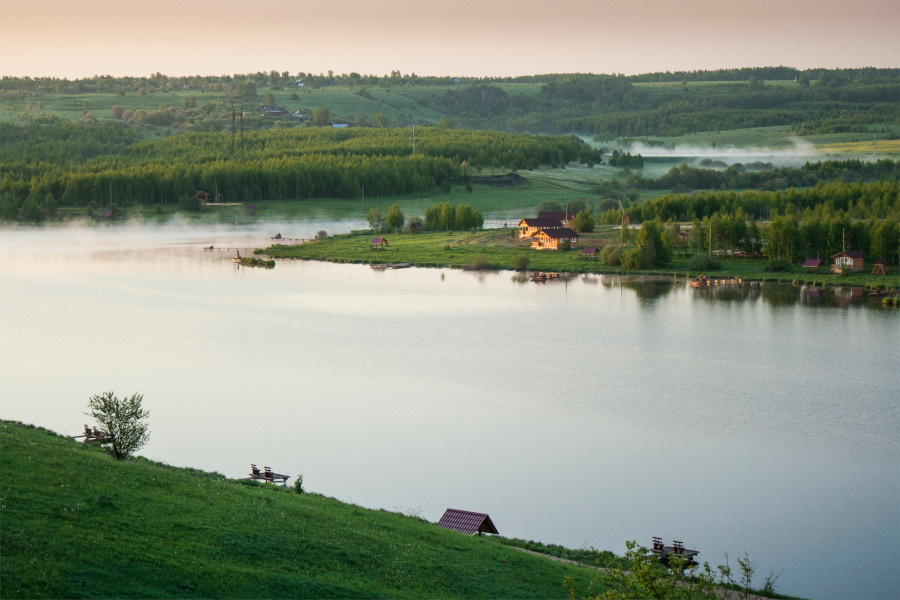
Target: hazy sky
{"type": "Point", "coordinates": [78, 38]}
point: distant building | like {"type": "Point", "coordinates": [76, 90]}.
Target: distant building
{"type": "Point", "coordinates": [851, 259]}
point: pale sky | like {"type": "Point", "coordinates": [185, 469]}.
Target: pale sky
{"type": "Point", "coordinates": [81, 38]}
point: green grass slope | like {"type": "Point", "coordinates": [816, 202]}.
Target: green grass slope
{"type": "Point", "coordinates": [77, 524]}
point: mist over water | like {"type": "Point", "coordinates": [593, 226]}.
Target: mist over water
{"type": "Point", "coordinates": [799, 153]}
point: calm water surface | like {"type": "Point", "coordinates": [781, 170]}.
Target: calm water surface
{"type": "Point", "coordinates": [583, 413]}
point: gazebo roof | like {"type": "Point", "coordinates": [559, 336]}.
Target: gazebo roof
{"type": "Point", "coordinates": [812, 263]}
{"type": "Point", "coordinates": [378, 240]}
{"type": "Point", "coordinates": [467, 522]}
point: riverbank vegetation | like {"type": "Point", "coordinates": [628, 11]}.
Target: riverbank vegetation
{"type": "Point", "coordinates": [502, 249]}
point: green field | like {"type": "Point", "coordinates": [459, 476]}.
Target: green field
{"type": "Point", "coordinates": [77, 524]}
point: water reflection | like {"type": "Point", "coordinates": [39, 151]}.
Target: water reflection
{"type": "Point", "coordinates": [611, 388]}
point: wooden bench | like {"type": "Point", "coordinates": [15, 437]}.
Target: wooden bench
{"type": "Point", "coordinates": [95, 436]}
{"type": "Point", "coordinates": [267, 475]}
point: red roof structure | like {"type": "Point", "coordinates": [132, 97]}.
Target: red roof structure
{"type": "Point", "coordinates": [467, 522]}
{"type": "Point", "coordinates": [812, 263]}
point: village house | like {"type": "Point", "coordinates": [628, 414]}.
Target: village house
{"type": "Point", "coordinates": [851, 259]}
{"type": "Point", "coordinates": [529, 227]}
{"type": "Point", "coordinates": [550, 239]}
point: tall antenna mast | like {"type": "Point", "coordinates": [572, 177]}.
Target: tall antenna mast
{"type": "Point", "coordinates": [232, 129]}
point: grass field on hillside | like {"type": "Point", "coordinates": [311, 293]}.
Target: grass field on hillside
{"type": "Point", "coordinates": [78, 524]}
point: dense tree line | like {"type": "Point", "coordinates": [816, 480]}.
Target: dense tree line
{"type": "Point", "coordinates": [444, 217]}
{"type": "Point", "coordinates": [684, 178]}
{"type": "Point", "coordinates": [870, 200]}
{"type": "Point", "coordinates": [296, 163]}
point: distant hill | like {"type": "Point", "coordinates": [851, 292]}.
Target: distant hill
{"type": "Point", "coordinates": [609, 106]}
{"type": "Point", "coordinates": [77, 524]}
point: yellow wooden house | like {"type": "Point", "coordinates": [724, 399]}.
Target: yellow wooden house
{"type": "Point", "coordinates": [550, 239]}
{"type": "Point", "coordinates": [529, 227]}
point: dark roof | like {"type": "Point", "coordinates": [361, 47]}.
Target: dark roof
{"type": "Point", "coordinates": [561, 215]}
{"type": "Point", "coordinates": [543, 222]}
{"type": "Point", "coordinates": [466, 522]}
{"type": "Point", "coordinates": [812, 262]}
{"type": "Point", "coordinates": [559, 233]}
{"type": "Point", "coordinates": [378, 240]}
{"type": "Point", "coordinates": [849, 253]}
{"type": "Point", "coordinates": [589, 250]}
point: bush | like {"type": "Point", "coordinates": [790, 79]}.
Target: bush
{"type": "Point", "coordinates": [298, 484]}
{"type": "Point", "coordinates": [479, 264]}
{"type": "Point", "coordinates": [633, 259]}
{"type": "Point", "coordinates": [611, 255]}
{"type": "Point", "coordinates": [520, 261]}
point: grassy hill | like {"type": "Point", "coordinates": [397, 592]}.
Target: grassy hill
{"type": "Point", "coordinates": [76, 524]}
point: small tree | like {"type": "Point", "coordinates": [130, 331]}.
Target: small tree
{"type": "Point", "coordinates": [321, 116]}
{"type": "Point", "coordinates": [123, 421]}
{"type": "Point", "coordinates": [375, 219]}
{"type": "Point", "coordinates": [394, 219]}
{"type": "Point", "coordinates": [584, 222]}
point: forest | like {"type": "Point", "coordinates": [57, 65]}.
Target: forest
{"type": "Point", "coordinates": [48, 164]}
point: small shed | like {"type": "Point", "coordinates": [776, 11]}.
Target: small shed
{"type": "Point", "coordinates": [851, 259]}
{"type": "Point", "coordinates": [378, 243]}
{"type": "Point", "coordinates": [812, 265]}
{"type": "Point", "coordinates": [589, 253]}
{"type": "Point", "coordinates": [467, 522]}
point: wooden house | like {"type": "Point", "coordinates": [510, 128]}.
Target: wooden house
{"type": "Point", "coordinates": [851, 259]}
{"type": "Point", "coordinates": [529, 227]}
{"type": "Point", "coordinates": [549, 239]}
{"type": "Point", "coordinates": [467, 522]}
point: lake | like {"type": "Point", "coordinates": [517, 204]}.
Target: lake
{"type": "Point", "coordinates": [585, 413]}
